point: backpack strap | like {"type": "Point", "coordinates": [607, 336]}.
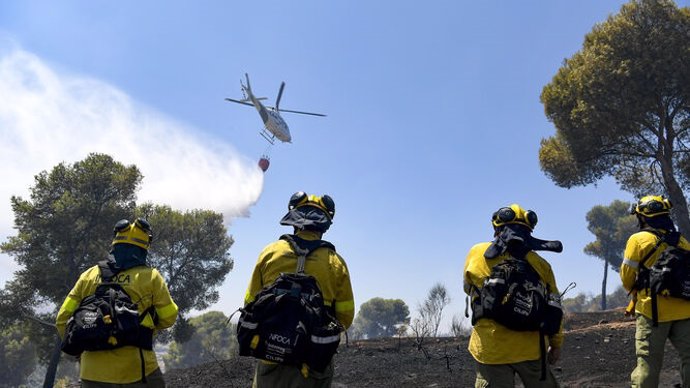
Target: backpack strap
{"type": "Point", "coordinates": [660, 240]}
{"type": "Point", "coordinates": [304, 248]}
{"type": "Point", "coordinates": [108, 270]}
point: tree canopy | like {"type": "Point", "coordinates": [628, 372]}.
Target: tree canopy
{"type": "Point", "coordinates": [66, 226]}
{"type": "Point", "coordinates": [621, 106]}
{"type": "Point", "coordinates": [190, 250]}
{"type": "Point", "coordinates": [380, 317]}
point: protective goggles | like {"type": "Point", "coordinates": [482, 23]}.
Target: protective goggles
{"type": "Point", "coordinates": [137, 233]}
{"type": "Point", "coordinates": [514, 215]}
{"type": "Point", "coordinates": [652, 205]}
{"type": "Point", "coordinates": [324, 202]}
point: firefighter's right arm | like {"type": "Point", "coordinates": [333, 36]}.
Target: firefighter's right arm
{"type": "Point", "coordinates": [344, 298]}
{"type": "Point", "coordinates": [166, 309]}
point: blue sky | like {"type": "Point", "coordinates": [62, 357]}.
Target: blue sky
{"type": "Point", "coordinates": [434, 121]}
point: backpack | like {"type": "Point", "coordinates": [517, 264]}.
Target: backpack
{"type": "Point", "coordinates": [515, 296]}
{"type": "Point", "coordinates": [288, 322]}
{"type": "Point", "coordinates": [668, 276]}
{"type": "Point", "coordinates": [106, 320]}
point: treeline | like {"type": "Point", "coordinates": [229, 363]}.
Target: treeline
{"type": "Point", "coordinates": [584, 302]}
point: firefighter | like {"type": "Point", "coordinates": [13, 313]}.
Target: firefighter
{"type": "Point", "coordinates": [126, 365]}
{"type": "Point", "coordinates": [656, 232]}
{"type": "Point", "coordinates": [310, 216]}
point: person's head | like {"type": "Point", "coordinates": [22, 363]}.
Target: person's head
{"type": "Point", "coordinates": [653, 211]}
{"type": "Point", "coordinates": [131, 241]}
{"type": "Point", "coordinates": [309, 212]}
{"type": "Point", "coordinates": [514, 215]}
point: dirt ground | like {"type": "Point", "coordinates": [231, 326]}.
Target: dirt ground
{"type": "Point", "coordinates": [598, 352]}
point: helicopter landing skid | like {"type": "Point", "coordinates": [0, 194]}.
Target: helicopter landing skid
{"type": "Point", "coordinates": [269, 138]}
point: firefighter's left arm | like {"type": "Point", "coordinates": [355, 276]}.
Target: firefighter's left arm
{"type": "Point", "coordinates": [70, 304]}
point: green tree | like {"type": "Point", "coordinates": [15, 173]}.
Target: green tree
{"type": "Point", "coordinates": [190, 250]}
{"type": "Point", "coordinates": [17, 356]}
{"type": "Point", "coordinates": [380, 317]}
{"type": "Point", "coordinates": [212, 340]}
{"type": "Point", "coordinates": [66, 227]}
{"type": "Point", "coordinates": [621, 106]}
{"type": "Point", "coordinates": [611, 225]}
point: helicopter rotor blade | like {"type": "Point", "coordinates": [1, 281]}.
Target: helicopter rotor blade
{"type": "Point", "coordinates": [239, 102]}
{"type": "Point", "coordinates": [280, 94]}
{"type": "Point", "coordinates": [302, 113]}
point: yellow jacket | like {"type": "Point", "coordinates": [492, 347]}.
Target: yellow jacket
{"type": "Point", "coordinates": [637, 247]}
{"type": "Point", "coordinates": [491, 342]}
{"type": "Point", "coordinates": [146, 287]}
{"type": "Point", "coordinates": [325, 265]}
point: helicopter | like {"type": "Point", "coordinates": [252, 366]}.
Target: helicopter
{"type": "Point", "coordinates": [274, 125]}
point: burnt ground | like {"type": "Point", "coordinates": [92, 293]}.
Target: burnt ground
{"type": "Point", "coordinates": [598, 352]}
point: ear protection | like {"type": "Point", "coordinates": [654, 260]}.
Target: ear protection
{"type": "Point", "coordinates": [651, 206]}
{"type": "Point", "coordinates": [324, 202]}
{"type": "Point", "coordinates": [514, 215]}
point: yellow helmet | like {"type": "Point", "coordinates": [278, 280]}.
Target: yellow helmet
{"type": "Point", "coordinates": [324, 202]}
{"type": "Point", "coordinates": [136, 233]}
{"type": "Point", "coordinates": [514, 214]}
{"type": "Point", "coordinates": [652, 206]}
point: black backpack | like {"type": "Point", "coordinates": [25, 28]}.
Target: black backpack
{"type": "Point", "coordinates": [515, 296]}
{"type": "Point", "coordinates": [108, 319]}
{"type": "Point", "coordinates": [288, 322]}
{"type": "Point", "coordinates": [670, 274]}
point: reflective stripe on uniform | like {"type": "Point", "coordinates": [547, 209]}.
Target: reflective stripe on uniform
{"type": "Point", "coordinates": [248, 298]}
{"type": "Point", "coordinates": [325, 340]}
{"type": "Point", "coordinates": [70, 305]}
{"type": "Point", "coordinates": [167, 311]}
{"type": "Point", "coordinates": [345, 306]}
{"type": "Point", "coordinates": [631, 263]}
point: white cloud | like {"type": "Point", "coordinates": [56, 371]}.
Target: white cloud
{"type": "Point", "coordinates": [47, 117]}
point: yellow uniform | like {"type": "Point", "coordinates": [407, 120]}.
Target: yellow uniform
{"type": "Point", "coordinates": [325, 265]}
{"type": "Point", "coordinates": [146, 287]}
{"type": "Point", "coordinates": [491, 342]}
{"type": "Point", "coordinates": [638, 246]}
